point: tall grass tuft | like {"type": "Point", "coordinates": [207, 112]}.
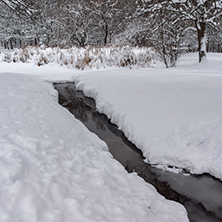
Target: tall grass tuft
{"type": "Point", "coordinates": [82, 58]}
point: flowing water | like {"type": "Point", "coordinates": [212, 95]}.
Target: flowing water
{"type": "Point", "coordinates": [201, 195]}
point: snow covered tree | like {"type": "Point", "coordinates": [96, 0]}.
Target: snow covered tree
{"type": "Point", "coordinates": [167, 25]}
{"type": "Point", "coordinates": [214, 38]}
{"type": "Point", "coordinates": [71, 24]}
{"type": "Point", "coordinates": [186, 14]}
{"type": "Point", "coordinates": [20, 8]}
{"type": "Point", "coordinates": [16, 28]}
{"type": "Point", "coordinates": [159, 30]}
{"type": "Point", "coordinates": [108, 18]}
{"type": "Point", "coordinates": [201, 13]}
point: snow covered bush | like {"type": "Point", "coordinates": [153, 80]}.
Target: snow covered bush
{"type": "Point", "coordinates": [81, 58]}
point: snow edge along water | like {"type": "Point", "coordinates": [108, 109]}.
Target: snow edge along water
{"type": "Point", "coordinates": [193, 143]}
{"type": "Point", "coordinates": [53, 168]}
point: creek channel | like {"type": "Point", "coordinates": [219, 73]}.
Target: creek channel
{"type": "Point", "coordinates": [201, 195]}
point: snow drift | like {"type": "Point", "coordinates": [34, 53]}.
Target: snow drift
{"type": "Point", "coordinates": [173, 115]}
{"type": "Point", "coordinates": [54, 169]}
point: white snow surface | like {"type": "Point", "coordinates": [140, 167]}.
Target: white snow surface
{"type": "Point", "coordinates": [53, 169]}
{"type": "Point", "coordinates": [173, 115]}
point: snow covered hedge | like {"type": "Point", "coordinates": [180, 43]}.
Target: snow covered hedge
{"type": "Point", "coordinates": [80, 58]}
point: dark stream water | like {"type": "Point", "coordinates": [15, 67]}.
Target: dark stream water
{"type": "Point", "coordinates": [201, 195]}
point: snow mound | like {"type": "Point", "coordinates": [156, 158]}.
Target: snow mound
{"type": "Point", "coordinates": [173, 115]}
{"type": "Point", "coordinates": [54, 169]}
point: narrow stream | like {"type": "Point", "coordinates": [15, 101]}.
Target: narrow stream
{"type": "Point", "coordinates": [201, 195]}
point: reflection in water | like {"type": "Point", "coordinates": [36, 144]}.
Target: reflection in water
{"type": "Point", "coordinates": [201, 195]}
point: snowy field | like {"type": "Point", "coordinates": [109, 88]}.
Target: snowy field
{"type": "Point", "coordinates": [54, 169]}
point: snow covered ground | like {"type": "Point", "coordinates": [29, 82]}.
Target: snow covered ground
{"type": "Point", "coordinates": [54, 169]}
{"type": "Point", "coordinates": [173, 115]}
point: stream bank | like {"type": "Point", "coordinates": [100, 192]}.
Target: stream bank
{"type": "Point", "coordinates": [201, 195]}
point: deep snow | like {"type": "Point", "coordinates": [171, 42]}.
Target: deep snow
{"type": "Point", "coordinates": [173, 115]}
{"type": "Point", "coordinates": [53, 169]}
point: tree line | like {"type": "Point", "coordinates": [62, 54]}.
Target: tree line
{"type": "Point", "coordinates": [171, 27]}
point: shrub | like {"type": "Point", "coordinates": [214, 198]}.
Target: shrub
{"type": "Point", "coordinates": [81, 58]}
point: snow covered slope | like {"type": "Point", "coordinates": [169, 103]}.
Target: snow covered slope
{"type": "Point", "coordinates": [53, 169]}
{"type": "Point", "coordinates": [173, 115]}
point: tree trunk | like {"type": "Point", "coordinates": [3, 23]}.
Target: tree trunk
{"type": "Point", "coordinates": [201, 27]}
{"type": "Point", "coordinates": [11, 45]}
{"type": "Point", "coordinates": [106, 34]}
{"type": "Point", "coordinates": [35, 41]}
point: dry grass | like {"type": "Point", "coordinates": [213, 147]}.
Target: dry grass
{"type": "Point", "coordinates": [81, 58]}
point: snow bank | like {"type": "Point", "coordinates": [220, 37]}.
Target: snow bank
{"type": "Point", "coordinates": [54, 169]}
{"type": "Point", "coordinates": [173, 115]}
{"type": "Point", "coordinates": [81, 58]}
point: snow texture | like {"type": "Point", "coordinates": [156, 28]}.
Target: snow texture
{"type": "Point", "coordinates": [173, 115]}
{"type": "Point", "coordinates": [53, 169]}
